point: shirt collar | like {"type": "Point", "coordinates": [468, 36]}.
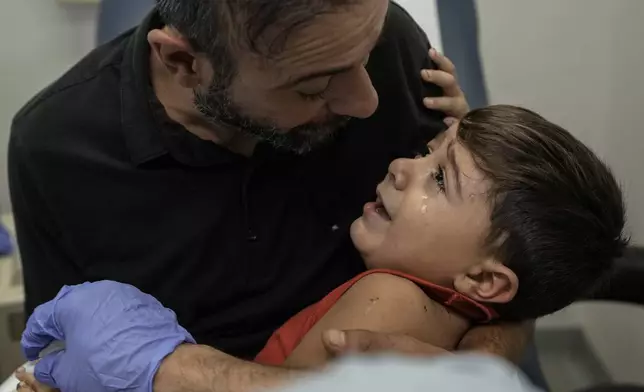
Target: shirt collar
{"type": "Point", "coordinates": [148, 131]}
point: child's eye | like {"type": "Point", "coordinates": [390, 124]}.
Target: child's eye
{"type": "Point", "coordinates": [439, 178]}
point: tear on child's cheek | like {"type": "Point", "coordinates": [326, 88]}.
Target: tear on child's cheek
{"type": "Point", "coordinates": [423, 206]}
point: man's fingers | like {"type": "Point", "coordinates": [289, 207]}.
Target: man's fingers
{"type": "Point", "coordinates": [453, 103]}
{"type": "Point", "coordinates": [341, 342]}
{"type": "Point", "coordinates": [352, 341]}
{"type": "Point", "coordinates": [444, 80]}
{"type": "Point", "coordinates": [334, 341]}
{"type": "Point", "coordinates": [45, 370]}
{"type": "Point", "coordinates": [453, 107]}
{"type": "Point", "coordinates": [448, 105]}
{"type": "Point", "coordinates": [41, 330]}
{"type": "Point", "coordinates": [449, 121]}
{"type": "Point", "coordinates": [444, 63]}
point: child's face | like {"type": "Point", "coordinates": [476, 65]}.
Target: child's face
{"type": "Point", "coordinates": [431, 216]}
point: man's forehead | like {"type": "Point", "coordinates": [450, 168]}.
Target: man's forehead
{"type": "Point", "coordinates": [331, 42]}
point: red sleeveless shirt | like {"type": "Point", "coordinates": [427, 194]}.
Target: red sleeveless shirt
{"type": "Point", "coordinates": [283, 341]}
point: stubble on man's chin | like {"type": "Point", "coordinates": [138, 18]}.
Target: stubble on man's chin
{"type": "Point", "coordinates": [219, 110]}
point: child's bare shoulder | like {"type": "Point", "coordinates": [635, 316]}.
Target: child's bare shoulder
{"type": "Point", "coordinates": [387, 303]}
{"type": "Point", "coordinates": [388, 288]}
{"type": "Point", "coordinates": [379, 302]}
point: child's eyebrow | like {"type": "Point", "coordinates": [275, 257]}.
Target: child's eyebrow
{"type": "Point", "coordinates": [456, 171]}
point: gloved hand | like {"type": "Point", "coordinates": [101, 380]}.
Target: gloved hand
{"type": "Point", "coordinates": [115, 338]}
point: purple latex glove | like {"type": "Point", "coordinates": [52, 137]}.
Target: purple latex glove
{"type": "Point", "coordinates": [115, 338]}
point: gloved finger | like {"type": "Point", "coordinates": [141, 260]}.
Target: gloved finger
{"type": "Point", "coordinates": [40, 331]}
{"type": "Point", "coordinates": [46, 369]}
{"type": "Point", "coordinates": [444, 80]}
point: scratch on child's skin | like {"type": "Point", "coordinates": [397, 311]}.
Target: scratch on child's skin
{"type": "Point", "coordinates": [372, 302]}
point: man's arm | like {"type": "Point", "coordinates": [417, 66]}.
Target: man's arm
{"type": "Point", "coordinates": [119, 338]}
{"type": "Point", "coordinates": [506, 340]}
{"type": "Point", "coordinates": [194, 368]}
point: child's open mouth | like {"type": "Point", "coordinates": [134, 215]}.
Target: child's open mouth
{"type": "Point", "coordinates": [381, 210]}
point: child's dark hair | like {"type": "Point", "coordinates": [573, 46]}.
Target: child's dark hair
{"type": "Point", "coordinates": [557, 210]}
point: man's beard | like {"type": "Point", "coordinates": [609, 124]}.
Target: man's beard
{"type": "Point", "coordinates": [217, 106]}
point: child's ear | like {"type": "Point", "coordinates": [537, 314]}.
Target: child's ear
{"type": "Point", "coordinates": [489, 281]}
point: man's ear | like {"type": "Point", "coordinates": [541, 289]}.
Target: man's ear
{"type": "Point", "coordinates": [489, 281]}
{"type": "Point", "coordinates": [177, 56]}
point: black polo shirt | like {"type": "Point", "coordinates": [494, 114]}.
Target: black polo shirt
{"type": "Point", "coordinates": [105, 186]}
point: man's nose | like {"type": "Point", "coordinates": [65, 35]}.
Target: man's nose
{"type": "Point", "coordinates": [353, 94]}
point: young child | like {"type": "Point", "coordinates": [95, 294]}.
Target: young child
{"type": "Point", "coordinates": [508, 217]}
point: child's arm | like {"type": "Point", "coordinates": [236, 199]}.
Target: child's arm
{"type": "Point", "coordinates": [382, 303]}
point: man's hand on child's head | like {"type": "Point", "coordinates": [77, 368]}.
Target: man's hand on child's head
{"type": "Point", "coordinates": [360, 341]}
{"type": "Point", "coordinates": [453, 103]}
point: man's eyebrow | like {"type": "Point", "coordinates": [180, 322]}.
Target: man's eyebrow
{"type": "Point", "coordinates": [456, 171]}
{"type": "Point", "coordinates": [318, 74]}
{"type": "Point", "coordinates": [330, 71]}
